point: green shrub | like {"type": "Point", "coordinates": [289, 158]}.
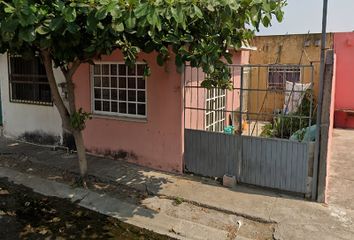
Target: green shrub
{"type": "Point", "coordinates": [286, 125]}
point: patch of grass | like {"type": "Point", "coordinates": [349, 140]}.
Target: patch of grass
{"type": "Point", "coordinates": [178, 200]}
{"type": "Point", "coordinates": [77, 183]}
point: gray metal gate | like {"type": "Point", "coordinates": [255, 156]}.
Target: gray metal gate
{"type": "Point", "coordinates": [263, 154]}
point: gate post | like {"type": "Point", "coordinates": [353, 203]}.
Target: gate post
{"type": "Point", "coordinates": [240, 146]}
{"type": "Point", "coordinates": [326, 128]}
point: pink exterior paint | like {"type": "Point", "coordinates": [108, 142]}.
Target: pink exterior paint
{"type": "Point", "coordinates": [233, 98]}
{"type": "Point", "coordinates": [196, 98]}
{"type": "Point", "coordinates": [331, 125]}
{"type": "Point", "coordinates": [156, 143]}
{"type": "Point", "coordinates": [344, 50]}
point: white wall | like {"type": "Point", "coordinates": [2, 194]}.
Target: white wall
{"type": "Point", "coordinates": [19, 118]}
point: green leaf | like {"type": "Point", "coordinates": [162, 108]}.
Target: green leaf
{"type": "Point", "coordinates": [73, 27]}
{"type": "Point", "coordinates": [178, 60]}
{"type": "Point", "coordinates": [9, 8]}
{"type": "Point", "coordinates": [130, 20]}
{"type": "Point", "coordinates": [183, 50]}
{"type": "Point", "coordinates": [118, 27]}
{"type": "Point", "coordinates": [45, 42]}
{"type": "Point", "coordinates": [228, 56]}
{"type": "Point", "coordinates": [9, 25]}
{"type": "Point", "coordinates": [116, 12]}
{"type": "Point", "coordinates": [255, 13]}
{"type": "Point", "coordinates": [147, 71]}
{"type": "Point", "coordinates": [111, 5]}
{"type": "Point", "coordinates": [70, 14]}
{"type": "Point", "coordinates": [188, 38]}
{"type": "Point", "coordinates": [149, 47]}
{"type": "Point", "coordinates": [132, 2]}
{"type": "Point", "coordinates": [160, 60]}
{"type": "Point", "coordinates": [198, 12]}
{"type": "Point", "coordinates": [141, 10]}
{"type": "Point", "coordinates": [171, 38]}
{"type": "Point", "coordinates": [26, 20]}
{"type": "Point", "coordinates": [61, 5]}
{"type": "Point", "coordinates": [152, 17]}
{"type": "Point", "coordinates": [91, 48]}
{"type": "Point", "coordinates": [135, 50]}
{"type": "Point", "coordinates": [206, 84]}
{"type": "Point", "coordinates": [234, 5]}
{"type": "Point", "coordinates": [164, 50]}
{"type": "Point", "coordinates": [177, 13]}
{"type": "Point", "coordinates": [42, 30]}
{"type": "Point", "coordinates": [56, 23]}
{"type": "Point", "coordinates": [28, 34]}
{"type": "Point", "coordinates": [101, 13]}
{"type": "Point", "coordinates": [279, 14]}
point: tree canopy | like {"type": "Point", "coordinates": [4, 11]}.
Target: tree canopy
{"type": "Point", "coordinates": [70, 32]}
{"type": "Point", "coordinates": [199, 31]}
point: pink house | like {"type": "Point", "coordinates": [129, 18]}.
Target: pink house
{"type": "Point", "coordinates": [140, 121]}
{"type": "Point", "coordinates": [344, 101]}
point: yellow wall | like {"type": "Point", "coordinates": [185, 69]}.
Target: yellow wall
{"type": "Point", "coordinates": [282, 50]}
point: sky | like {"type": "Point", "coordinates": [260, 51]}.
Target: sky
{"type": "Point", "coordinates": [301, 16]}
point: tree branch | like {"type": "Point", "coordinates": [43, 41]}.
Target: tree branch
{"type": "Point", "coordinates": [76, 64]}
{"type": "Point", "coordinates": [58, 101]}
{"type": "Point", "coordinates": [64, 70]}
{"type": "Point", "coordinates": [70, 84]}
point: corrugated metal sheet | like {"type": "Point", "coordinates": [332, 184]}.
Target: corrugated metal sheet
{"type": "Point", "coordinates": [274, 163]}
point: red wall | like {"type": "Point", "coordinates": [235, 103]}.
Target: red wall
{"type": "Point", "coordinates": [344, 74]}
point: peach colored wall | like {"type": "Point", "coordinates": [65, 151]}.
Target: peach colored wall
{"type": "Point", "coordinates": [344, 50]}
{"type": "Point", "coordinates": [196, 98]}
{"type": "Point", "coordinates": [156, 143]}
{"type": "Point", "coordinates": [233, 97]}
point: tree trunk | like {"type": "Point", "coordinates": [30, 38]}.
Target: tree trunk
{"type": "Point", "coordinates": [66, 114]}
{"type": "Point", "coordinates": [81, 153]}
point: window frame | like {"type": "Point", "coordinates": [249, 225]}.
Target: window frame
{"type": "Point", "coordinates": [284, 70]}
{"type": "Point", "coordinates": [11, 82]}
{"type": "Point", "coordinates": [110, 114]}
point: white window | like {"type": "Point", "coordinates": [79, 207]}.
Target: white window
{"type": "Point", "coordinates": [215, 113]}
{"type": "Point", "coordinates": [119, 90]}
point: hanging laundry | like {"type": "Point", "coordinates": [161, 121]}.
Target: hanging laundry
{"type": "Point", "coordinates": [294, 91]}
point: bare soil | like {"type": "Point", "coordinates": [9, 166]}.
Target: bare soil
{"type": "Point", "coordinates": [25, 214]}
{"type": "Point", "coordinates": [28, 215]}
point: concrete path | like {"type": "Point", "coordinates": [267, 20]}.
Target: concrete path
{"type": "Point", "coordinates": [295, 218]}
{"type": "Point", "coordinates": [128, 213]}
{"type": "Point", "coordinates": [341, 172]}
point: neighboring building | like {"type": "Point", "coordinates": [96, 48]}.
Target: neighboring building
{"type": "Point", "coordinates": [344, 72]}
{"type": "Point", "coordinates": [298, 50]}
{"type": "Point", "coordinates": [27, 109]}
{"type": "Point", "coordinates": [140, 121]}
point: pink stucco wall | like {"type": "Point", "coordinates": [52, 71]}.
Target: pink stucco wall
{"type": "Point", "coordinates": [196, 97]}
{"type": "Point", "coordinates": [331, 125]}
{"type": "Point", "coordinates": [155, 143]}
{"type": "Point", "coordinates": [344, 50]}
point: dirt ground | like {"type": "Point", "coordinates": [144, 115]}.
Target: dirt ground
{"type": "Point", "coordinates": [37, 217]}
{"type": "Point", "coordinates": [25, 214]}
